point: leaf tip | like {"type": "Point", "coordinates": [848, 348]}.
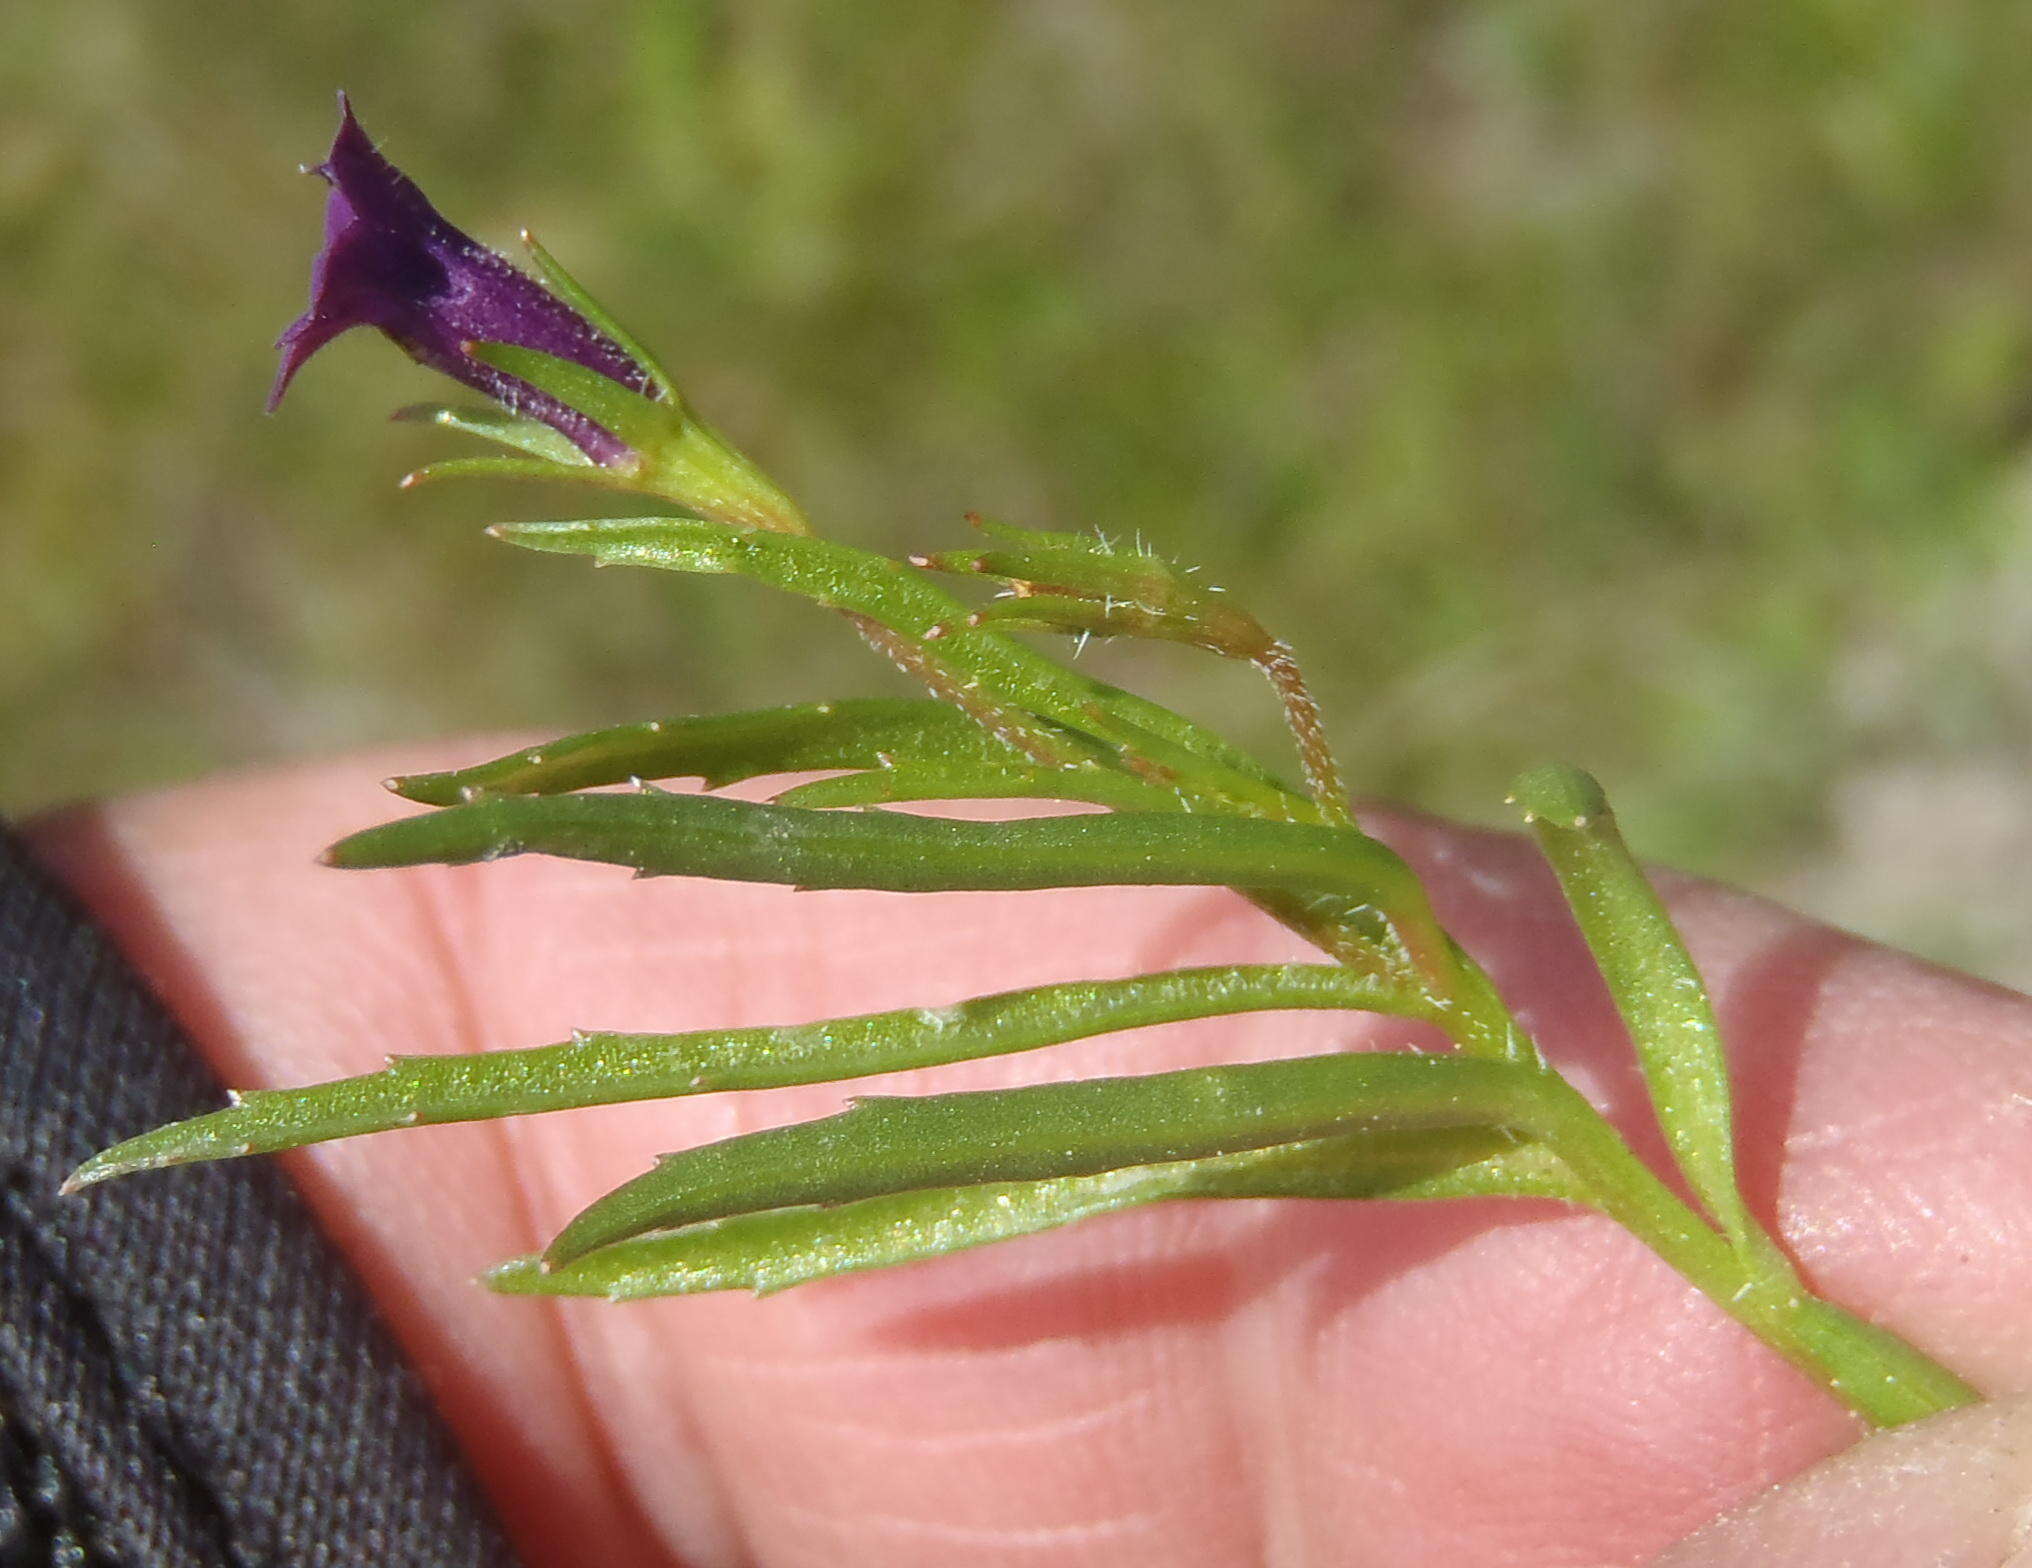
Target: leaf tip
{"type": "Point", "coordinates": [516, 1276]}
{"type": "Point", "coordinates": [89, 1174]}
{"type": "Point", "coordinates": [109, 1164]}
{"type": "Point", "coordinates": [1560, 794]}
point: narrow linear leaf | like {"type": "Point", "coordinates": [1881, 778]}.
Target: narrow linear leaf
{"type": "Point", "coordinates": [1036, 538]}
{"type": "Point", "coordinates": [606, 1068]}
{"type": "Point", "coordinates": [1178, 611]}
{"type": "Point", "coordinates": [661, 834]}
{"type": "Point", "coordinates": [493, 424]}
{"type": "Point", "coordinates": [1654, 982]}
{"type": "Point", "coordinates": [885, 1145]}
{"type": "Point", "coordinates": [900, 781]}
{"type": "Point", "coordinates": [1175, 762]}
{"type": "Point", "coordinates": [1088, 586]}
{"type": "Point", "coordinates": [1083, 567]}
{"type": "Point", "coordinates": [722, 748]}
{"type": "Point", "coordinates": [911, 604]}
{"type": "Point", "coordinates": [1060, 613]}
{"type": "Point", "coordinates": [779, 1248]}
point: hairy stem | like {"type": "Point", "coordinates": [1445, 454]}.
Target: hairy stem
{"type": "Point", "coordinates": [1302, 717]}
{"type": "Point", "coordinates": [1009, 725]}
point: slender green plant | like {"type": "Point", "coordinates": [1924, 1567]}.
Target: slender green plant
{"type": "Point", "coordinates": [892, 1180]}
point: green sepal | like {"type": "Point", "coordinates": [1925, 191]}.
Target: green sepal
{"type": "Point", "coordinates": [597, 1068]}
{"type": "Point", "coordinates": [572, 292]}
{"type": "Point", "coordinates": [497, 425]}
{"type": "Point", "coordinates": [886, 1145]}
{"type": "Point", "coordinates": [646, 425]}
{"type": "Point", "coordinates": [779, 1248]}
{"type": "Point", "coordinates": [722, 748]}
{"type": "Point", "coordinates": [675, 454]}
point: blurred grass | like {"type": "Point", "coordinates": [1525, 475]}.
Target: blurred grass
{"type": "Point", "coordinates": [1645, 386]}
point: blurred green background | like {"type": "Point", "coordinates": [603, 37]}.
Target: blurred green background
{"type": "Point", "coordinates": [1644, 385]}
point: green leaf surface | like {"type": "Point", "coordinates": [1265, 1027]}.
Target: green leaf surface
{"type": "Point", "coordinates": [606, 1068]}
{"type": "Point", "coordinates": [1087, 586]}
{"type": "Point", "coordinates": [723, 748]}
{"type": "Point", "coordinates": [1084, 567]}
{"type": "Point", "coordinates": [779, 1248]}
{"type": "Point", "coordinates": [493, 424]}
{"type": "Point", "coordinates": [1019, 537]}
{"type": "Point", "coordinates": [662, 834]}
{"type": "Point", "coordinates": [913, 605]}
{"type": "Point", "coordinates": [885, 1145]}
{"type": "Point", "coordinates": [901, 781]}
{"type": "Point", "coordinates": [1072, 617]}
{"type": "Point", "coordinates": [1656, 987]}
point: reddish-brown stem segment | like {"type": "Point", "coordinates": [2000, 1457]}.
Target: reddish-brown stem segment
{"type": "Point", "coordinates": [1308, 730]}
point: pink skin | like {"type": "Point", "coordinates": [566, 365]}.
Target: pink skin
{"type": "Point", "coordinates": [1502, 1385]}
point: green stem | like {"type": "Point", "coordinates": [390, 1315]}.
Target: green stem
{"type": "Point", "coordinates": [1875, 1373]}
{"type": "Point", "coordinates": [1872, 1371]}
{"type": "Point", "coordinates": [1014, 728]}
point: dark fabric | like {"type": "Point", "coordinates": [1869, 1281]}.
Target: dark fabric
{"type": "Point", "coordinates": [189, 1376]}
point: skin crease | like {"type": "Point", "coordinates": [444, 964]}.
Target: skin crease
{"type": "Point", "coordinates": [1497, 1384]}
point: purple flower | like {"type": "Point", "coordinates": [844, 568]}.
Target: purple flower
{"type": "Point", "coordinates": [392, 262]}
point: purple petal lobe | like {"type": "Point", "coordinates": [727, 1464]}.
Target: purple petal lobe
{"type": "Point", "coordinates": [390, 261]}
